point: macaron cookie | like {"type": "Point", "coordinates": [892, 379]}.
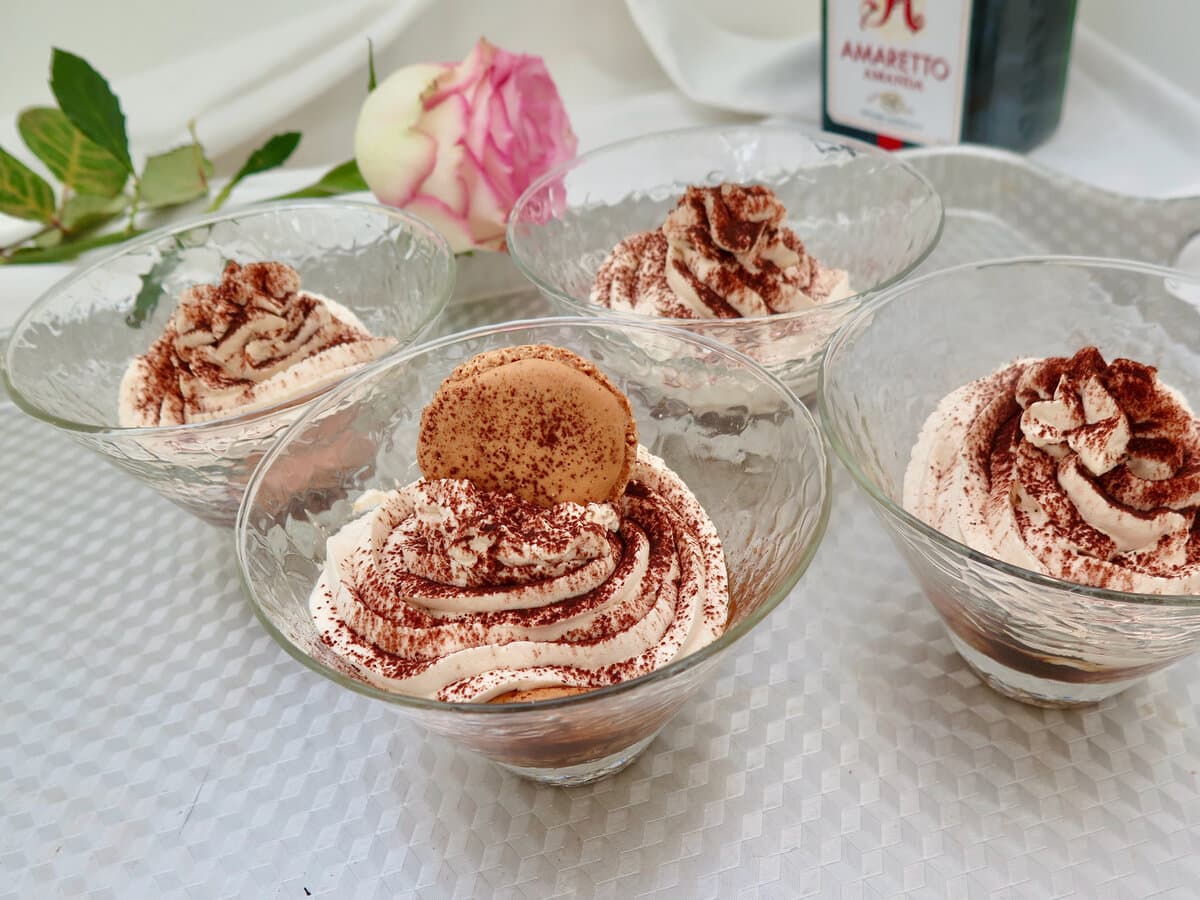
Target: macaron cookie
{"type": "Point", "coordinates": [537, 421]}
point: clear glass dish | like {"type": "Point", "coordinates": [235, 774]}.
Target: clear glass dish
{"type": "Point", "coordinates": [68, 352]}
{"type": "Point", "coordinates": [1038, 639]}
{"type": "Point", "coordinates": [854, 207]}
{"type": "Point", "coordinates": [750, 451]}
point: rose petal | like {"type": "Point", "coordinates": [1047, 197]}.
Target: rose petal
{"type": "Point", "coordinates": [454, 227]}
{"type": "Point", "coordinates": [444, 124]}
{"type": "Point", "coordinates": [395, 172]}
{"type": "Point", "coordinates": [394, 158]}
{"type": "Point", "coordinates": [459, 78]}
{"type": "Point", "coordinates": [488, 211]}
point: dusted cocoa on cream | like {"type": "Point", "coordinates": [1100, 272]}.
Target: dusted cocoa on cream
{"type": "Point", "coordinates": [252, 341]}
{"type": "Point", "coordinates": [723, 252]}
{"type": "Point", "coordinates": [1072, 467]}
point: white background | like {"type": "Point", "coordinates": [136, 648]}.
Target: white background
{"type": "Point", "coordinates": [1161, 32]}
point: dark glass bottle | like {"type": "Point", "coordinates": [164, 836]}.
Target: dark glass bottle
{"type": "Point", "coordinates": [905, 72]}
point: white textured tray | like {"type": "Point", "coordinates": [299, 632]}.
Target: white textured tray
{"type": "Point", "coordinates": [155, 742]}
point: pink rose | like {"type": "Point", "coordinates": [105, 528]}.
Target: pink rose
{"type": "Point", "coordinates": [457, 144]}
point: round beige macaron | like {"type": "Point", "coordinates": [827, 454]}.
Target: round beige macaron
{"type": "Point", "coordinates": [537, 421]}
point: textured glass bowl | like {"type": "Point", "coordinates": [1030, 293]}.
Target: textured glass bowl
{"type": "Point", "coordinates": [67, 354]}
{"type": "Point", "coordinates": [854, 207]}
{"type": "Point", "coordinates": [761, 475]}
{"type": "Point", "coordinates": [1035, 638]}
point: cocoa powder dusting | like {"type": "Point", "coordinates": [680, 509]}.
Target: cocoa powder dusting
{"type": "Point", "coordinates": [1158, 471]}
{"type": "Point", "coordinates": [388, 595]}
{"type": "Point", "coordinates": [223, 339]}
{"type": "Point", "coordinates": [729, 249]}
{"type": "Point", "coordinates": [198, 353]}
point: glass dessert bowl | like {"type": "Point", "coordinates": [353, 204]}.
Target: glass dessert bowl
{"type": "Point", "coordinates": [1045, 586]}
{"type": "Point", "coordinates": [760, 476]}
{"type": "Point", "coordinates": [853, 207]}
{"type": "Point", "coordinates": [68, 356]}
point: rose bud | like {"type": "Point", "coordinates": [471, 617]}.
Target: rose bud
{"type": "Point", "coordinates": [457, 144]}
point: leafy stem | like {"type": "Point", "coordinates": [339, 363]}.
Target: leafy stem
{"type": "Point", "coordinates": [8, 249]}
{"type": "Point", "coordinates": [66, 251]}
{"type": "Point", "coordinates": [134, 204]}
{"type": "Point", "coordinates": [84, 144]}
{"type": "Point", "coordinates": [271, 155]}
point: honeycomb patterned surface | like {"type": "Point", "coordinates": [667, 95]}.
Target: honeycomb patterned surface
{"type": "Point", "coordinates": [155, 742]}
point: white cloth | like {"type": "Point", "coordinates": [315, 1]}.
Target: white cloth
{"type": "Point", "coordinates": [768, 74]}
{"type": "Point", "coordinates": [1124, 127]}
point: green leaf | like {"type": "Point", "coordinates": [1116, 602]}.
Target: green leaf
{"type": "Point", "coordinates": [370, 66]}
{"type": "Point", "coordinates": [69, 250]}
{"type": "Point", "coordinates": [271, 155]}
{"type": "Point", "coordinates": [84, 211]}
{"type": "Point", "coordinates": [86, 99]}
{"type": "Point", "coordinates": [24, 193]}
{"type": "Point", "coordinates": [175, 177]}
{"type": "Point", "coordinates": [51, 237]}
{"type": "Point", "coordinates": [79, 163]}
{"type": "Point", "coordinates": [343, 179]}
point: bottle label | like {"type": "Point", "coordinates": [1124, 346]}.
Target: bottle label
{"type": "Point", "coordinates": [897, 67]}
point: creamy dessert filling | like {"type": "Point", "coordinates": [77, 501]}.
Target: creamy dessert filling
{"type": "Point", "coordinates": [1072, 467]}
{"type": "Point", "coordinates": [723, 252]}
{"type": "Point", "coordinates": [449, 590]}
{"type": "Point", "coordinates": [252, 341]}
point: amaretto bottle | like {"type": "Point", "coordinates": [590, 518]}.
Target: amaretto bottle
{"type": "Point", "coordinates": [904, 72]}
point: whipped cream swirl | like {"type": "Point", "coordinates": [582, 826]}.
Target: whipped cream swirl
{"type": "Point", "coordinates": [1075, 468]}
{"type": "Point", "coordinates": [251, 341]}
{"type": "Point", "coordinates": [445, 591]}
{"type": "Point", "coordinates": [723, 252]}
